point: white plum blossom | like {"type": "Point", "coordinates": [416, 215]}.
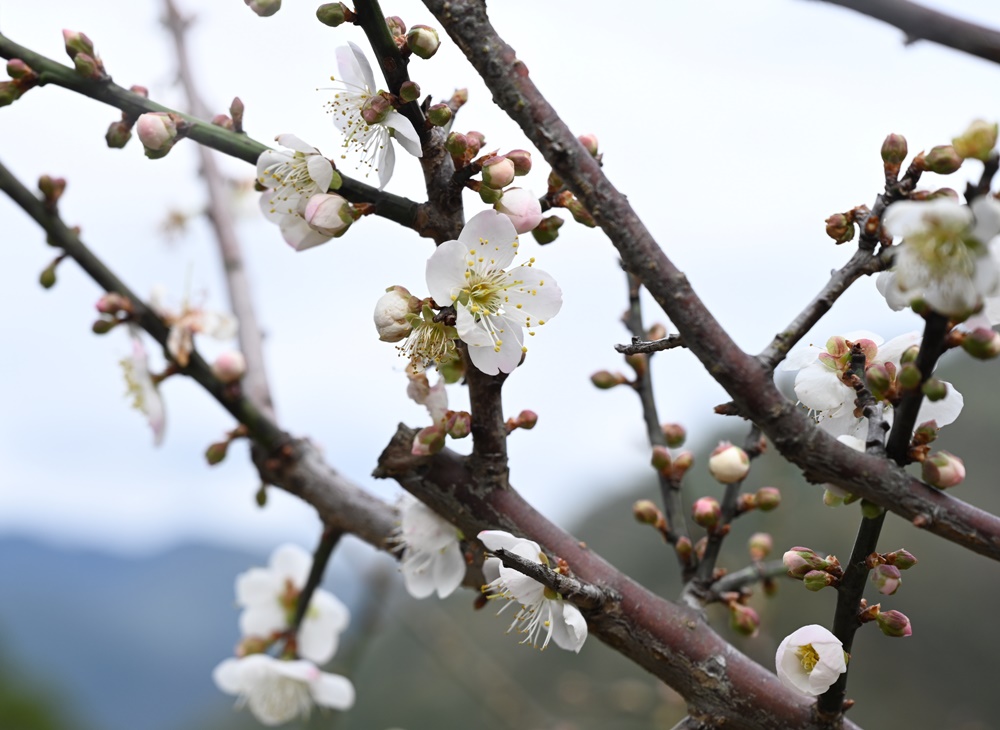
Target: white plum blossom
{"type": "Point", "coordinates": [269, 597]}
{"type": "Point", "coordinates": [492, 305]}
{"type": "Point", "coordinates": [542, 610]}
{"type": "Point", "coordinates": [278, 691]}
{"type": "Point", "coordinates": [141, 387]}
{"type": "Point", "coordinates": [947, 257]}
{"type": "Point", "coordinates": [432, 556]}
{"type": "Point", "coordinates": [366, 118]}
{"type": "Point", "coordinates": [191, 320]}
{"type": "Point", "coordinates": [292, 177]}
{"type": "Point", "coordinates": [810, 660]}
{"type": "Point", "coordinates": [819, 385]}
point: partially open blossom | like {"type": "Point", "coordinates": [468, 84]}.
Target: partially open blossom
{"type": "Point", "coordinates": [819, 383]}
{"type": "Point", "coordinates": [728, 463]}
{"type": "Point", "coordinates": [423, 41]}
{"type": "Point", "coordinates": [145, 395]}
{"type": "Point", "coordinates": [886, 579]}
{"type": "Point", "coordinates": [278, 691]}
{"type": "Point", "coordinates": [810, 660]}
{"type": "Point", "coordinates": [367, 121]}
{"type": "Point", "coordinates": [945, 258]}
{"type": "Point", "coordinates": [492, 305]}
{"type": "Point", "coordinates": [800, 560]}
{"type": "Point", "coordinates": [392, 314]}
{"type": "Point", "coordinates": [542, 610]}
{"type": "Point", "coordinates": [943, 470]}
{"type": "Point", "coordinates": [328, 214]}
{"type": "Point", "coordinates": [522, 207]}
{"type": "Point", "coordinates": [432, 556]}
{"type": "Point", "coordinates": [269, 598]}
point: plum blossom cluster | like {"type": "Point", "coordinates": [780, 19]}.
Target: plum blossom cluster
{"type": "Point", "coordinates": [367, 118]}
{"type": "Point", "coordinates": [296, 197]}
{"type": "Point", "coordinates": [820, 384]}
{"type": "Point", "coordinates": [542, 610]}
{"type": "Point", "coordinates": [277, 690]}
{"type": "Point", "coordinates": [493, 302]}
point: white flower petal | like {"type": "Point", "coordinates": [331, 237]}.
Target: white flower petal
{"type": "Point", "coordinates": [492, 236]}
{"type": "Point", "coordinates": [449, 570]}
{"type": "Point", "coordinates": [321, 171]}
{"type": "Point", "coordinates": [295, 143]}
{"type": "Point", "coordinates": [569, 629]}
{"type": "Point", "coordinates": [405, 134]}
{"type": "Point", "coordinates": [386, 162]}
{"type": "Point", "coordinates": [334, 691]}
{"type": "Point", "coordinates": [446, 271]}
{"type": "Point", "coordinates": [820, 389]}
{"type": "Point", "coordinates": [291, 562]}
{"type": "Point", "coordinates": [534, 298]}
{"type": "Point", "coordinates": [362, 65]}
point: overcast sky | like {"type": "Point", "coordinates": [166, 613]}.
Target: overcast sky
{"type": "Point", "coordinates": [734, 127]}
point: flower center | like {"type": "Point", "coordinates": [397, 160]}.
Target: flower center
{"type": "Point", "coordinates": [279, 699]}
{"type": "Point", "coordinates": [428, 341]}
{"type": "Point", "coordinates": [808, 656]}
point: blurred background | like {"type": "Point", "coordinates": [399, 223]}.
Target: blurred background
{"type": "Point", "coordinates": [735, 128]}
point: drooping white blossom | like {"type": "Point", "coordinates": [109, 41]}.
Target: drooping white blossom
{"type": "Point", "coordinates": [542, 610]}
{"type": "Point", "coordinates": [278, 691]}
{"type": "Point", "coordinates": [366, 118]}
{"type": "Point", "coordinates": [820, 387]}
{"type": "Point", "coordinates": [947, 257]}
{"type": "Point", "coordinates": [269, 597]}
{"type": "Point", "coordinates": [492, 304]}
{"type": "Point", "coordinates": [432, 556]}
{"type": "Point", "coordinates": [143, 391]}
{"type": "Point", "coordinates": [810, 660]}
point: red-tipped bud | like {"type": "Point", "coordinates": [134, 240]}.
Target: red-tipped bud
{"type": "Point", "coordinates": [606, 380]}
{"type": "Point", "coordinates": [548, 230]}
{"type": "Point", "coordinates": [76, 42]}
{"type": "Point", "coordinates": [682, 462]}
{"type": "Point", "coordinates": [645, 512]}
{"type": "Point", "coordinates": [840, 228]}
{"type": "Point", "coordinates": [728, 463]}
{"type": "Point", "coordinates": [894, 149]}
{"type": "Point", "coordinates": [423, 41]}
{"type": "Point", "coordinates": [894, 624]}
{"type": "Point", "coordinates": [589, 142]}
{"type": "Point", "coordinates": [706, 512]}
{"type": "Point", "coordinates": [222, 120]}
{"type": "Point", "coordinates": [236, 110]}
{"type": "Point", "coordinates": [743, 619]}
{"type": "Point", "coordinates": [800, 560]}
{"type": "Point", "coordinates": [521, 160]}
{"type": "Point", "coordinates": [982, 343]}
{"type": "Point", "coordinates": [943, 160]}
{"type": "Point", "coordinates": [158, 132]}
{"type": "Point", "coordinates": [943, 470]}
{"type": "Point", "coordinates": [439, 115]}
{"type": "Point", "coordinates": [902, 559]}
{"type": "Point", "coordinates": [684, 548]}
{"type": "Point", "coordinates": [675, 434]}
{"type": "Point", "coordinates": [760, 545]}
{"type": "Point", "coordinates": [476, 140]}
{"type": "Point", "coordinates": [886, 579]}
{"type": "Point", "coordinates": [661, 459]}
{"type": "Point", "coordinates": [768, 498]}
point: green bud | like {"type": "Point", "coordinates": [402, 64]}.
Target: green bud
{"type": "Point", "coordinates": [409, 91]}
{"type": "Point", "coordinates": [216, 453]}
{"type": "Point", "coordinates": [943, 160]}
{"type": "Point", "coordinates": [894, 149]}
{"type": "Point", "coordinates": [332, 14]}
{"type": "Point", "coordinates": [439, 115]}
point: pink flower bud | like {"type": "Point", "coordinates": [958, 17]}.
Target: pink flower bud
{"type": "Point", "coordinates": [800, 560]}
{"type": "Point", "coordinates": [943, 470]}
{"type": "Point", "coordinates": [943, 160]}
{"type": "Point", "coordinates": [113, 303]}
{"type": "Point", "coordinates": [526, 419]}
{"type": "Point", "coordinates": [409, 91]}
{"type": "Point", "coordinates": [894, 149]}
{"type": "Point", "coordinates": [902, 559]}
{"type": "Point", "coordinates": [743, 619]}
{"type": "Point", "coordinates": [982, 343]}
{"type": "Point", "coordinates": [684, 548]}
{"type": "Point", "coordinates": [682, 462]}
{"type": "Point", "coordinates": [522, 207]}
{"type": "Point", "coordinates": [706, 512]}
{"type": "Point", "coordinates": [840, 228]}
{"type": "Point", "coordinates": [886, 579]}
{"type": "Point", "coordinates": [329, 214]}
{"type": "Point", "coordinates": [230, 366]}
{"type": "Point", "coordinates": [375, 109]}
{"type": "Point", "coordinates": [439, 115]}
{"type": "Point", "coordinates": [392, 312]}
{"type": "Point", "coordinates": [76, 42]}
{"type": "Point", "coordinates": [396, 25]}
{"type": "Point", "coordinates": [894, 624]}
{"type": "Point", "coordinates": [760, 545]}
{"type": "Point", "coordinates": [767, 498]}
{"type": "Point", "coordinates": [728, 463]}
{"type": "Point", "coordinates": [498, 172]}
{"type": "Point", "coordinates": [675, 434]}
{"type": "Point", "coordinates": [459, 424]}
{"type": "Point", "coordinates": [423, 41]}
{"type": "Point", "coordinates": [589, 142]}
{"type": "Point", "coordinates": [157, 132]}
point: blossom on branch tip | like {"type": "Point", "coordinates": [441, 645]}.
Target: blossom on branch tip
{"type": "Point", "coordinates": [492, 305]}
{"type": "Point", "coordinates": [278, 691]}
{"type": "Point", "coordinates": [269, 598]}
{"type": "Point", "coordinates": [366, 118]}
{"type": "Point", "coordinates": [810, 660]}
{"type": "Point", "coordinates": [541, 608]}
{"type": "Point", "coordinates": [432, 556]}
{"type": "Point", "coordinates": [946, 258]}
{"type": "Point", "coordinates": [141, 387]}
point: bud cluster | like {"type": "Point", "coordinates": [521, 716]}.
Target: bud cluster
{"type": "Point", "coordinates": [22, 78]}
{"type": "Point", "coordinates": [815, 572]}
{"type": "Point", "coordinates": [85, 59]}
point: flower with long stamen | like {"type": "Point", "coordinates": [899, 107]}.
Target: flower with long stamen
{"type": "Point", "coordinates": [367, 118]}
{"type": "Point", "coordinates": [429, 342]}
{"type": "Point", "coordinates": [492, 304]}
{"type": "Point", "coordinates": [542, 610]}
{"type": "Point", "coordinates": [141, 387]}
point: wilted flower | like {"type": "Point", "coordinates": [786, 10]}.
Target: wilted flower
{"type": "Point", "coordinates": [810, 660]}
{"type": "Point", "coordinates": [492, 304]}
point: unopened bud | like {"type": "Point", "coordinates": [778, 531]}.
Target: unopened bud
{"type": "Point", "coordinates": [157, 131]}
{"type": "Point", "coordinates": [236, 110]}
{"type": "Point", "coordinates": [706, 512]}
{"type": "Point", "coordinates": [977, 141]}
{"type": "Point", "coordinates": [548, 230]}
{"type": "Point", "coordinates": [112, 303]}
{"type": "Point", "coordinates": [264, 8]}
{"type": "Point", "coordinates": [675, 434]}
{"type": "Point", "coordinates": [103, 326]}
{"type": "Point", "coordinates": [768, 498]}
{"type": "Point", "coordinates": [606, 380]}
{"type": "Point", "coordinates": [375, 109]}
{"type": "Point", "coordinates": [216, 453]}
{"type": "Point", "coordinates": [409, 91]}
{"type": "Point", "coordinates": [51, 188]}
{"type": "Point", "coordinates": [800, 560]}
{"type": "Point", "coordinates": [396, 25]}
{"type": "Point", "coordinates": [329, 214]}
{"type": "Point", "coordinates": [118, 134]}
{"type": "Point", "coordinates": [88, 67]}
{"type": "Point", "coordinates": [894, 624]}
{"type": "Point", "coordinates": [886, 579]}
{"type": "Point", "coordinates": [639, 362]}
{"type": "Point", "coordinates": [657, 332]}
{"type": "Point", "coordinates": [439, 115]}
{"type": "Point", "coordinates": [943, 470]}
{"type": "Point", "coordinates": [222, 120]}
{"type": "Point", "coordinates": [589, 142]}
{"type": "Point", "coordinates": [526, 419]}
{"type": "Point", "coordinates": [728, 463]}
{"type": "Point", "coordinates": [902, 559]}
{"type": "Point", "coordinates": [498, 172]}
{"type": "Point", "coordinates": [660, 459]}
{"type": "Point", "coordinates": [684, 548]}
{"type": "Point", "coordinates": [817, 580]}
{"type": "Point", "coordinates": [877, 377]}
{"type": "Point", "coordinates": [743, 619]}
{"type": "Point", "coordinates": [423, 41]}
{"type": "Point", "coordinates": [943, 160]}
{"type": "Point", "coordinates": [521, 160]}
{"type": "Point", "coordinates": [261, 496]}
{"type": "Point", "coordinates": [18, 70]}
{"type": "Point", "coordinates": [645, 512]}
{"type": "Point", "coordinates": [926, 433]}
{"type": "Point", "coordinates": [9, 93]}
{"type": "Point", "coordinates": [48, 276]}
{"type": "Point", "coordinates": [457, 144]}
{"type": "Point", "coordinates": [522, 207]}
{"type": "Point", "coordinates": [982, 343]}
{"type": "Point", "coordinates": [459, 424]}
{"type": "Point", "coordinates": [682, 462]}
{"type": "Point", "coordinates": [760, 545]}
{"type": "Point", "coordinates": [76, 42]}
{"type": "Point", "coordinates": [909, 376]}
{"type": "Point", "coordinates": [333, 14]}
{"type": "Point", "coordinates": [839, 228]}
{"type": "Point", "coordinates": [392, 314]}
{"type": "Point", "coordinates": [230, 366]}
{"type": "Point", "coordinates": [935, 389]}
{"type": "Point", "coordinates": [894, 149]}
{"type": "Point", "coordinates": [428, 441]}
{"type": "Point", "coordinates": [476, 140]}
{"type": "Point", "coordinates": [909, 354]}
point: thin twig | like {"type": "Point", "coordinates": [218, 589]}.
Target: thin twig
{"type": "Point", "coordinates": [321, 557]}
{"type": "Point", "coordinates": [748, 576]}
{"type": "Point", "coordinates": [578, 592]}
{"type": "Point", "coordinates": [648, 347]}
